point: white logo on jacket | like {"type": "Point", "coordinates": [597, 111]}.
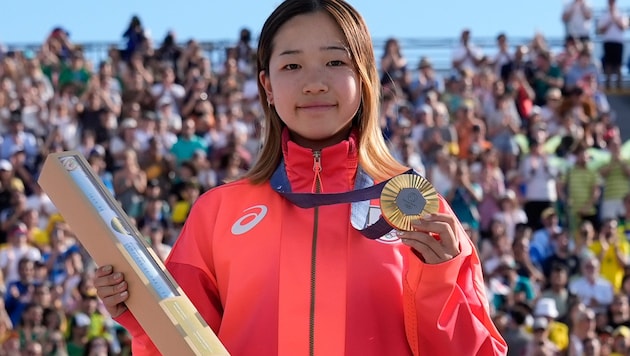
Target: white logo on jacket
{"type": "Point", "coordinates": [249, 220]}
{"type": "Point", "coordinates": [390, 238]}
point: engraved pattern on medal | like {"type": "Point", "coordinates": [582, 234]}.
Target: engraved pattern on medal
{"type": "Point", "coordinates": [401, 204]}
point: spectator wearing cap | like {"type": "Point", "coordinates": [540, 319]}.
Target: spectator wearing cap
{"type": "Point", "coordinates": [426, 80]}
{"type": "Point", "coordinates": [125, 140]}
{"type": "Point", "coordinates": [612, 252]}
{"type": "Point", "coordinates": [19, 139]}
{"type": "Point", "coordinates": [541, 246]}
{"type": "Point", "coordinates": [621, 341]}
{"type": "Point", "coordinates": [540, 343]}
{"type": "Point", "coordinates": [591, 288]}
{"type": "Point", "coordinates": [556, 332]}
{"type": "Point", "coordinates": [166, 114]}
{"type": "Point", "coordinates": [583, 327]}
{"type": "Point", "coordinates": [558, 288]}
{"type": "Point", "coordinates": [539, 177]}
{"type": "Point", "coordinates": [17, 248]}
{"type": "Point", "coordinates": [78, 334]}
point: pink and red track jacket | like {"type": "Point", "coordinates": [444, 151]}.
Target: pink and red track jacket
{"type": "Point", "coordinates": [271, 278]}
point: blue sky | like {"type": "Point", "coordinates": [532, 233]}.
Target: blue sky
{"type": "Point", "coordinates": [23, 22]}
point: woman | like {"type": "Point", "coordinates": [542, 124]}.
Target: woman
{"type": "Point", "coordinates": [318, 286]}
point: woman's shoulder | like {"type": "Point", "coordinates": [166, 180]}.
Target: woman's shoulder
{"type": "Point", "coordinates": [237, 189]}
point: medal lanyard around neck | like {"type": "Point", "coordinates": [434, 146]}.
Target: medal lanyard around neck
{"type": "Point", "coordinates": [365, 190]}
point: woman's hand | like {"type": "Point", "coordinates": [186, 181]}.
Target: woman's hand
{"type": "Point", "coordinates": [111, 288]}
{"type": "Point", "coordinates": [433, 250]}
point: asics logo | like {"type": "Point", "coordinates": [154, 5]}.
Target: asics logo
{"type": "Point", "coordinates": [249, 220]}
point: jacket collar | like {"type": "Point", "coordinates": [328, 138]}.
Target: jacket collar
{"type": "Point", "coordinates": [339, 164]}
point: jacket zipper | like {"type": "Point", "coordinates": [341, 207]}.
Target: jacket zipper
{"type": "Point", "coordinates": [317, 188]}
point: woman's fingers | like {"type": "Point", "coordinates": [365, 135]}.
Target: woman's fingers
{"type": "Point", "coordinates": [111, 288]}
{"type": "Point", "coordinates": [435, 238]}
{"type": "Point", "coordinates": [430, 249]}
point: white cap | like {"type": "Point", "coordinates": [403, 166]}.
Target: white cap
{"type": "Point", "coordinates": [5, 165]}
{"type": "Point", "coordinates": [546, 307]}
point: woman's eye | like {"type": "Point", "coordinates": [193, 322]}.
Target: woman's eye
{"type": "Point", "coordinates": [291, 66]}
{"type": "Point", "coordinates": [336, 63]}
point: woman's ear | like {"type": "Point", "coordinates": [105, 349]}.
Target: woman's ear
{"type": "Point", "coordinates": [266, 83]}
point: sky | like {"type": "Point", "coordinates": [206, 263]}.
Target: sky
{"type": "Point", "coordinates": [23, 22]}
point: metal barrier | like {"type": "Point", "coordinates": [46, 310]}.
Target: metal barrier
{"type": "Point", "coordinates": [437, 49]}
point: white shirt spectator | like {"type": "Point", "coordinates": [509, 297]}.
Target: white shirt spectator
{"type": "Point", "coordinates": [601, 291]}
{"type": "Point", "coordinates": [577, 24]}
{"type": "Point", "coordinates": [468, 55]}
{"type": "Point", "coordinates": [613, 33]}
{"type": "Point", "coordinates": [540, 180]}
{"type": "Point", "coordinates": [10, 257]}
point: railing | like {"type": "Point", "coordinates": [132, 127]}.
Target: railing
{"type": "Point", "coordinates": [437, 49]}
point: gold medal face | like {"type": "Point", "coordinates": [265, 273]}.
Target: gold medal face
{"type": "Point", "coordinates": [406, 198]}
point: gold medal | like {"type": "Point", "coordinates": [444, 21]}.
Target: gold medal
{"type": "Point", "coordinates": [406, 198]}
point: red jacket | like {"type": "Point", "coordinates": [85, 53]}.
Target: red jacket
{"type": "Point", "coordinates": [247, 260]}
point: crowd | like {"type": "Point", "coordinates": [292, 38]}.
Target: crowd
{"type": "Point", "coordinates": [508, 138]}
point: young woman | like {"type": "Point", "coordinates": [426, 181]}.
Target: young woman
{"type": "Point", "coordinates": [272, 278]}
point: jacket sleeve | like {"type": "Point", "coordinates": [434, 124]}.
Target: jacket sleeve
{"type": "Point", "coordinates": [189, 263]}
{"type": "Point", "coordinates": [445, 305]}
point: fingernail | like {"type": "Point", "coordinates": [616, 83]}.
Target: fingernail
{"type": "Point", "coordinates": [107, 269]}
{"type": "Point", "coordinates": [124, 294]}
{"type": "Point", "coordinates": [426, 216]}
{"type": "Point", "coordinates": [400, 233]}
{"type": "Point", "coordinates": [117, 275]}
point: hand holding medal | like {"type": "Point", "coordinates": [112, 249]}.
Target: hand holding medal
{"type": "Point", "coordinates": [410, 204]}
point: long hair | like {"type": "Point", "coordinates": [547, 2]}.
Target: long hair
{"type": "Point", "coordinates": [374, 155]}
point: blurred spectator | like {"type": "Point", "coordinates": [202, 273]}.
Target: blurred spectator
{"type": "Point", "coordinates": [135, 35]}
{"type": "Point", "coordinates": [577, 17]}
{"type": "Point", "coordinates": [593, 290]}
{"type": "Point", "coordinates": [615, 183]}
{"type": "Point", "coordinates": [466, 56]}
{"type": "Point", "coordinates": [611, 27]}
{"type": "Point", "coordinates": [550, 328]}
{"type": "Point", "coordinates": [394, 71]}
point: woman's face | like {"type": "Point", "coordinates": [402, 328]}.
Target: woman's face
{"type": "Point", "coordinates": [311, 80]}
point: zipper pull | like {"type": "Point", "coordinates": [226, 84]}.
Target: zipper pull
{"type": "Point", "coordinates": [317, 168]}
